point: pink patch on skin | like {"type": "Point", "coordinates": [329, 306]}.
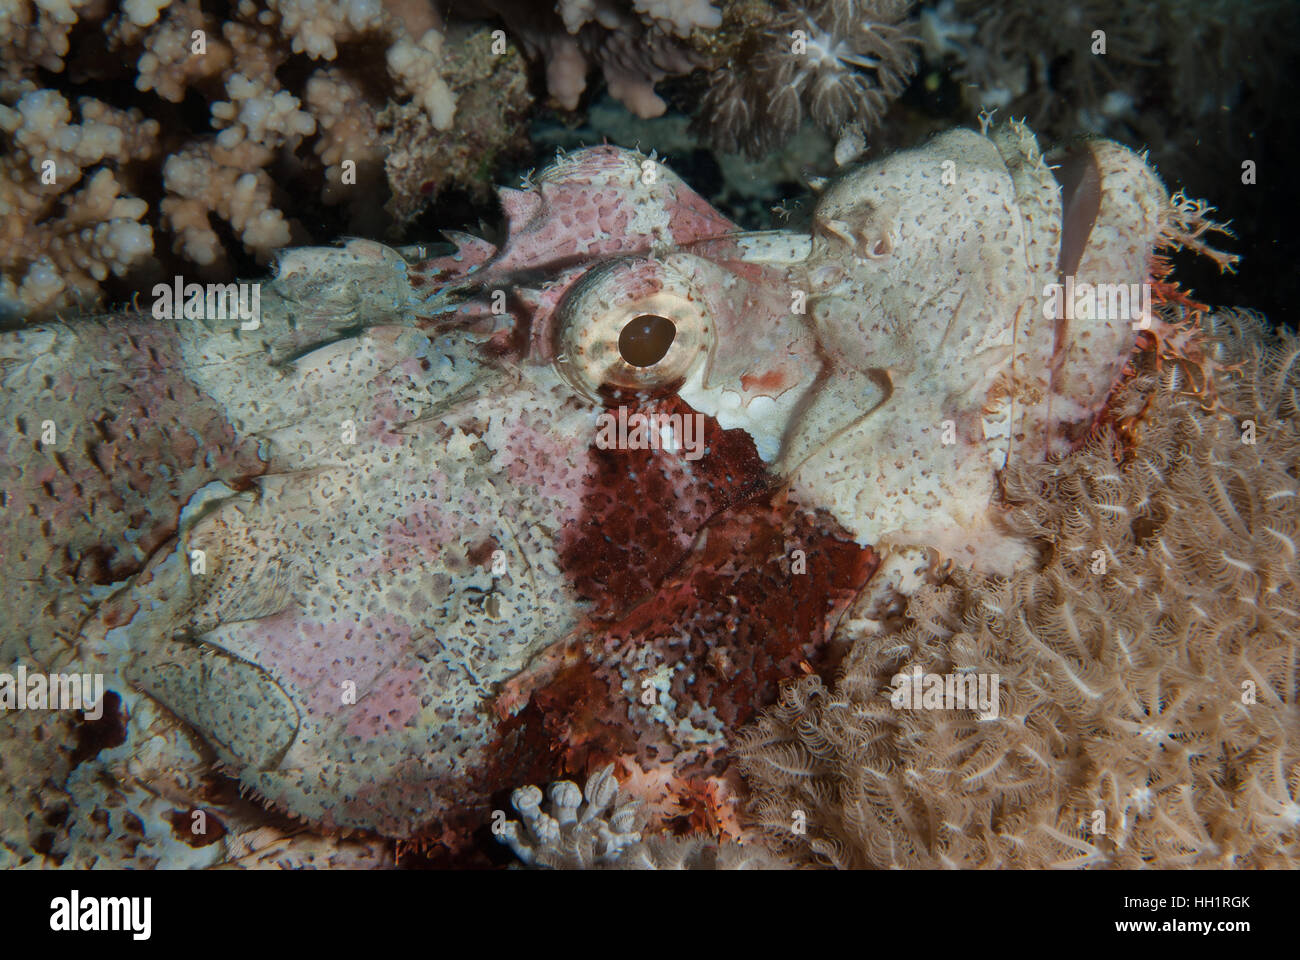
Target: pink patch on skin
{"type": "Point", "coordinates": [519, 206]}
{"type": "Point", "coordinates": [772, 382]}
{"type": "Point", "coordinates": [640, 282]}
{"type": "Point", "coordinates": [543, 304]}
{"type": "Point", "coordinates": [392, 702]}
{"type": "Point", "coordinates": [690, 218]}
{"type": "Point", "coordinates": [472, 252]}
{"type": "Point", "coordinates": [317, 658]}
{"type": "Point", "coordinates": [533, 457]}
{"type": "Point", "coordinates": [756, 273]}
{"type": "Point", "coordinates": [387, 415]}
{"type": "Point", "coordinates": [421, 533]}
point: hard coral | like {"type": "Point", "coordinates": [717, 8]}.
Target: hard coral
{"type": "Point", "coordinates": [60, 242]}
{"type": "Point", "coordinates": [421, 160]}
{"type": "Point", "coordinates": [257, 77]}
{"type": "Point", "coordinates": [1149, 670]}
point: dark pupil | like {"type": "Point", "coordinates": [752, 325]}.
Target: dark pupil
{"type": "Point", "coordinates": [645, 340]}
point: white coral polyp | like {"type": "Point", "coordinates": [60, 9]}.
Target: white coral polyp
{"type": "Point", "coordinates": [416, 68]}
{"type": "Point", "coordinates": [144, 12]}
{"type": "Point", "coordinates": [568, 830]}
{"type": "Point", "coordinates": [316, 25]}
{"type": "Point", "coordinates": [255, 113]}
{"type": "Point", "coordinates": [124, 242]}
{"type": "Point", "coordinates": [42, 284]}
{"type": "Point", "coordinates": [682, 16]}
{"type": "Point", "coordinates": [60, 11]}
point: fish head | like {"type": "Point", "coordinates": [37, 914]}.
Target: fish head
{"type": "Point", "coordinates": [934, 278]}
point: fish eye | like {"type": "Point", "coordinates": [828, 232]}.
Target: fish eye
{"type": "Point", "coordinates": [645, 340]}
{"type": "Point", "coordinates": [636, 325]}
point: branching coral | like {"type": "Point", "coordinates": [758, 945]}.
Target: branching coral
{"type": "Point", "coordinates": [418, 158]}
{"type": "Point", "coordinates": [258, 77]}
{"type": "Point", "coordinates": [1149, 671]}
{"type": "Point", "coordinates": [64, 216]}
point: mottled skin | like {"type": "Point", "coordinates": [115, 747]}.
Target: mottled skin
{"type": "Point", "coordinates": [423, 582]}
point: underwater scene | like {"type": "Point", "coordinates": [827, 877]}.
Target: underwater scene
{"type": "Point", "coordinates": [649, 434]}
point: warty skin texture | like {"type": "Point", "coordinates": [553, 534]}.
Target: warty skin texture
{"type": "Point", "coordinates": [421, 579]}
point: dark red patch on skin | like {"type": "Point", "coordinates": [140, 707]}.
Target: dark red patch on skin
{"type": "Point", "coordinates": [219, 789]}
{"type": "Point", "coordinates": [748, 619]}
{"type": "Point", "coordinates": [574, 724]}
{"type": "Point", "coordinates": [640, 283]}
{"type": "Point", "coordinates": [771, 382]}
{"type": "Point", "coordinates": [104, 733]}
{"type": "Point", "coordinates": [479, 554]}
{"type": "Point", "coordinates": [643, 508]}
{"type": "Point", "coordinates": [566, 730]}
{"type": "Point", "coordinates": [182, 822]}
{"type": "Point", "coordinates": [727, 612]}
{"type": "Point", "coordinates": [116, 616]}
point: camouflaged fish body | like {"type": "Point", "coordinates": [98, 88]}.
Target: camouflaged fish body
{"type": "Point", "coordinates": [328, 544]}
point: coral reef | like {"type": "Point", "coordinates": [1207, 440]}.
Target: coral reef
{"type": "Point", "coordinates": [65, 220]}
{"type": "Point", "coordinates": [770, 64]}
{"type": "Point", "coordinates": [636, 43]}
{"type": "Point", "coordinates": [295, 121]}
{"type": "Point", "coordinates": [420, 160]}
{"type": "Point", "coordinates": [130, 183]}
{"type": "Point", "coordinates": [1149, 710]}
{"type": "Point", "coordinates": [576, 829]}
{"type": "Point", "coordinates": [838, 63]}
